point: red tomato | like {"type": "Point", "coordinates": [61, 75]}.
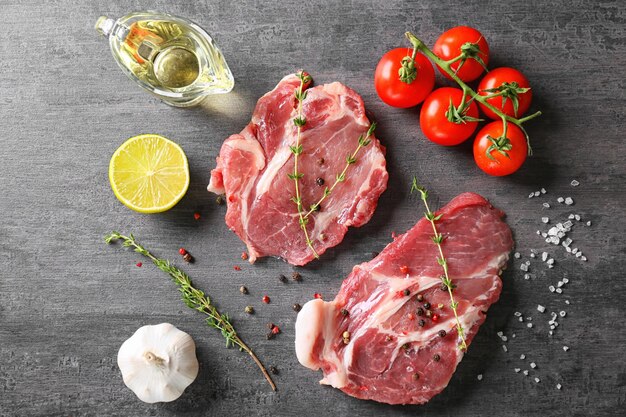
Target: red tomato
{"type": "Point", "coordinates": [434, 122]}
{"type": "Point", "coordinates": [494, 79]}
{"type": "Point", "coordinates": [397, 93]}
{"type": "Point", "coordinates": [500, 164]}
{"type": "Point", "coordinates": [449, 44]}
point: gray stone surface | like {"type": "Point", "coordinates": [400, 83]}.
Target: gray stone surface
{"type": "Point", "coordinates": [67, 301]}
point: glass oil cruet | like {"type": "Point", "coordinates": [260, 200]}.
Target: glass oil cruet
{"type": "Point", "coordinates": [171, 57]}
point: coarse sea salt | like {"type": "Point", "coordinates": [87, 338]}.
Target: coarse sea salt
{"type": "Point", "coordinates": [543, 191]}
{"type": "Point", "coordinates": [558, 386]}
{"type": "Point", "coordinates": [546, 205]}
{"type": "Point", "coordinates": [560, 200]}
{"type": "Point", "coordinates": [479, 377]}
{"type": "Point", "coordinates": [569, 201]}
{"type": "Point", "coordinates": [533, 365]}
{"type": "Point", "coordinates": [565, 348]}
{"type": "Point", "coordinates": [574, 183]}
{"type": "Point", "coordinates": [545, 220]}
{"type": "Point", "coordinates": [540, 308]}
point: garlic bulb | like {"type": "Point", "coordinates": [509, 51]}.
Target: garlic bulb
{"type": "Point", "coordinates": [158, 362]}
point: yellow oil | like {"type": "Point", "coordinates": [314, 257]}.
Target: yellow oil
{"type": "Point", "coordinates": [163, 54]}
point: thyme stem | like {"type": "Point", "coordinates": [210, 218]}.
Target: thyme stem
{"type": "Point", "coordinates": [445, 65]}
{"type": "Point", "coordinates": [350, 159]}
{"type": "Point", "coordinates": [300, 121]}
{"type": "Point", "coordinates": [194, 298]}
{"type": "Point", "coordinates": [438, 239]}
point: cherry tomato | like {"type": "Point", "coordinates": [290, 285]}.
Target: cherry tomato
{"type": "Point", "coordinates": [397, 93]}
{"type": "Point", "coordinates": [449, 44]}
{"type": "Point", "coordinates": [500, 164]}
{"type": "Point", "coordinates": [434, 121]}
{"type": "Point", "coordinates": [494, 79]}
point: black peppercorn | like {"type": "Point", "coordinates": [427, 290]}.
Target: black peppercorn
{"type": "Point", "coordinates": [296, 276]}
{"type": "Point", "coordinates": [249, 310]}
{"type": "Point", "coordinates": [219, 200]}
{"type": "Point", "coordinates": [442, 333]}
{"type": "Point", "coordinates": [274, 370]}
{"type": "Point", "coordinates": [344, 312]}
{"type": "Point", "coordinates": [320, 161]}
{"type": "Point", "coordinates": [297, 307]}
{"type": "Point", "coordinates": [187, 257]}
{"type": "Point", "coordinates": [420, 311]}
{"type": "Point", "coordinates": [427, 305]}
{"type": "Point", "coordinates": [270, 336]}
{"type": "Point", "coordinates": [420, 297]}
{"type": "Point", "coordinates": [243, 289]}
{"type": "Point", "coordinates": [282, 278]}
{"type": "Point", "coordinates": [407, 291]}
{"type": "Point", "coordinates": [406, 346]}
{"type": "Point", "coordinates": [436, 357]}
{"type": "Point", "coordinates": [416, 376]}
{"type": "Point", "coordinates": [319, 181]}
{"type": "Point", "coordinates": [421, 323]}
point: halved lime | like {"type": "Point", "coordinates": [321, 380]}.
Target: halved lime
{"type": "Point", "coordinates": [149, 173]}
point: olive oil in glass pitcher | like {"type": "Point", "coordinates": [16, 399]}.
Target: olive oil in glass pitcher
{"type": "Point", "coordinates": [171, 57]}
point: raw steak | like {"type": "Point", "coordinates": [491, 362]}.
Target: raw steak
{"type": "Point", "coordinates": [389, 357]}
{"type": "Point", "coordinates": [252, 170]}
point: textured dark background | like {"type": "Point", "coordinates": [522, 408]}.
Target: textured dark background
{"type": "Point", "coordinates": [67, 301]}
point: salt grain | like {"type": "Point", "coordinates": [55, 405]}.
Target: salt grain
{"type": "Point", "coordinates": [479, 377]}
{"type": "Point", "coordinates": [517, 314]}
{"type": "Point", "coordinates": [562, 313]}
{"type": "Point", "coordinates": [526, 277]}
{"type": "Point", "coordinates": [558, 386]}
{"type": "Point", "coordinates": [537, 380]}
{"type": "Point", "coordinates": [533, 365]}
{"type": "Point", "coordinates": [504, 348]}
{"type": "Point", "coordinates": [551, 288]}
{"type": "Point", "coordinates": [565, 348]}
{"type": "Point", "coordinates": [531, 195]}
{"type": "Point", "coordinates": [577, 217]}
{"type": "Point", "coordinates": [550, 261]}
{"type": "Point", "coordinates": [589, 223]}
{"type": "Point", "coordinates": [546, 205]}
{"type": "Point", "coordinates": [541, 308]}
{"type": "Point", "coordinates": [569, 201]}
{"type": "Point", "coordinates": [525, 372]}
{"type": "Point", "coordinates": [517, 255]}
{"type": "Point", "coordinates": [545, 220]}
{"type": "Point", "coordinates": [566, 301]}
{"type": "Point", "coordinates": [543, 191]}
{"type": "Point", "coordinates": [532, 255]}
{"type": "Point", "coordinates": [571, 217]}
{"type": "Point", "coordinates": [529, 325]}
{"type": "Point", "coordinates": [544, 256]}
{"type": "Point", "coordinates": [583, 258]}
{"type": "Point", "coordinates": [517, 370]}
{"type": "Point", "coordinates": [559, 284]}
{"type": "Point", "coordinates": [559, 290]}
{"type": "Point", "coordinates": [522, 356]}
{"type": "Point", "coordinates": [537, 193]}
{"type": "Point", "coordinates": [560, 199]}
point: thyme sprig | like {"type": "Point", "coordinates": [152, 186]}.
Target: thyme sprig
{"type": "Point", "coordinates": [351, 159]}
{"type": "Point", "coordinates": [194, 298]}
{"type": "Point", "coordinates": [297, 149]}
{"type": "Point", "coordinates": [419, 45]}
{"type": "Point", "coordinates": [438, 240]}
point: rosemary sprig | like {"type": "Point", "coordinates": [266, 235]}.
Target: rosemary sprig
{"type": "Point", "coordinates": [418, 45]}
{"type": "Point", "coordinates": [438, 239]}
{"type": "Point", "coordinates": [351, 159]}
{"type": "Point", "coordinates": [194, 298]}
{"type": "Point", "coordinates": [296, 149]}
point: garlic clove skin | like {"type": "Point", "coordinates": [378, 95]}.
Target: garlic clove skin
{"type": "Point", "coordinates": [158, 362]}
